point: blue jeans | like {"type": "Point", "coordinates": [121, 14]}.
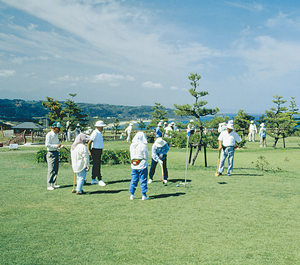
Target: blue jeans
{"type": "Point", "coordinates": [229, 151]}
{"type": "Point", "coordinates": [136, 176]}
{"type": "Point", "coordinates": [80, 180]}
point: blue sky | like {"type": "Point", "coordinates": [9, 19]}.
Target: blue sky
{"type": "Point", "coordinates": [140, 52]}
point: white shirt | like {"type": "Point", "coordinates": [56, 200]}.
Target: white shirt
{"type": "Point", "coordinates": [51, 141]}
{"type": "Point", "coordinates": [97, 139]}
{"type": "Point", "coordinates": [229, 139]}
{"type": "Point", "coordinates": [252, 127]}
{"type": "Point", "coordinates": [80, 158]}
{"type": "Point", "coordinates": [139, 151]}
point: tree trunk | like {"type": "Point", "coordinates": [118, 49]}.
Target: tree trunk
{"type": "Point", "coordinates": [275, 142]}
{"type": "Point", "coordinates": [198, 147]}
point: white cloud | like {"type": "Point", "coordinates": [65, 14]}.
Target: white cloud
{"type": "Point", "coordinates": [68, 78]}
{"type": "Point", "coordinates": [7, 73]}
{"type": "Point", "coordinates": [251, 7]}
{"type": "Point", "coordinates": [271, 57]}
{"type": "Point", "coordinates": [149, 84]}
{"type": "Point", "coordinates": [284, 20]}
{"type": "Point", "coordinates": [111, 77]}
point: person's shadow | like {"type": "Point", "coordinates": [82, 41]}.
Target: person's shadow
{"type": "Point", "coordinates": [161, 196]}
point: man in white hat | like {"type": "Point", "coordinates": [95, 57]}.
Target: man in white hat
{"type": "Point", "coordinates": [95, 146]}
{"type": "Point", "coordinates": [160, 148]}
{"type": "Point", "coordinates": [229, 140]}
{"type": "Point", "coordinates": [252, 131]}
{"type": "Point", "coordinates": [263, 135]}
{"type": "Point", "coordinates": [52, 144]}
{"type": "Point", "coordinates": [128, 130]}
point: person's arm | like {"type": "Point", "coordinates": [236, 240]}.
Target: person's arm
{"type": "Point", "coordinates": [220, 145]}
{"type": "Point", "coordinates": [89, 146]}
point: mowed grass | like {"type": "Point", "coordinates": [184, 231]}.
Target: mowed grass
{"type": "Point", "coordinates": [251, 217]}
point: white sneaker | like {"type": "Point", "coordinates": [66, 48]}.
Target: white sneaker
{"type": "Point", "coordinates": [94, 181]}
{"type": "Point", "coordinates": [165, 181]}
{"type": "Point", "coordinates": [145, 198]}
{"type": "Point", "coordinates": [50, 188]}
{"type": "Point", "coordinates": [101, 183]}
{"type": "Point", "coordinates": [132, 197]}
{"type": "Point", "coordinates": [150, 181]}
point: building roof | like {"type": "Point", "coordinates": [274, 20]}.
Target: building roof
{"type": "Point", "coordinates": [27, 125]}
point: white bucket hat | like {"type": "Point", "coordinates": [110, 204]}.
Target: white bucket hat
{"type": "Point", "coordinates": [100, 124]}
{"type": "Point", "coordinates": [160, 142]}
{"type": "Point", "coordinates": [230, 126]}
{"type": "Point", "coordinates": [191, 120]}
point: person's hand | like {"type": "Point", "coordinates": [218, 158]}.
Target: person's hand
{"type": "Point", "coordinates": [160, 161]}
{"type": "Point", "coordinates": [90, 152]}
{"type": "Point", "coordinates": [220, 148]}
{"type": "Point", "coordinates": [59, 146]}
{"type": "Point", "coordinates": [87, 168]}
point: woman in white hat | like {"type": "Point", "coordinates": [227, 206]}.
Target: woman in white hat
{"type": "Point", "coordinates": [95, 146]}
{"type": "Point", "coordinates": [227, 145]}
{"type": "Point", "coordinates": [160, 148]}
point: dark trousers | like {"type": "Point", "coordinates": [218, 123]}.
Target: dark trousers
{"type": "Point", "coordinates": [153, 166]}
{"type": "Point", "coordinates": [96, 155]}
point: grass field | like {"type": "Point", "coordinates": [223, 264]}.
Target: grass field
{"type": "Point", "coordinates": [251, 217]}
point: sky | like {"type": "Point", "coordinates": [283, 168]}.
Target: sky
{"type": "Point", "coordinates": [139, 52]}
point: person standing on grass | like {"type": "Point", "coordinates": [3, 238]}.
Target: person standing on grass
{"type": "Point", "coordinates": [158, 132]}
{"type": "Point", "coordinates": [227, 145]}
{"type": "Point", "coordinates": [128, 130]}
{"type": "Point", "coordinates": [252, 131]}
{"type": "Point", "coordinates": [95, 146]}
{"type": "Point", "coordinates": [139, 155]}
{"type": "Point", "coordinates": [80, 160]}
{"type": "Point", "coordinates": [263, 135]}
{"type": "Point", "coordinates": [159, 155]}
{"type": "Point", "coordinates": [52, 144]}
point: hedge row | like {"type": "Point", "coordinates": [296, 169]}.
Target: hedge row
{"type": "Point", "coordinates": [110, 157]}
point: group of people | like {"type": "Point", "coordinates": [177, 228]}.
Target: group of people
{"type": "Point", "coordinates": [80, 153]}
{"type": "Point", "coordinates": [228, 140]}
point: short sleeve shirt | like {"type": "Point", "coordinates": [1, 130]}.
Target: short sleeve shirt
{"type": "Point", "coordinates": [229, 139]}
{"type": "Point", "coordinates": [97, 139]}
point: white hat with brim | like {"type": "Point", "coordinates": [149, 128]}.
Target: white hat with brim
{"type": "Point", "coordinates": [160, 142]}
{"type": "Point", "coordinates": [56, 125]}
{"type": "Point", "coordinates": [100, 124]}
{"type": "Point", "coordinates": [262, 125]}
{"type": "Point", "coordinates": [230, 126]}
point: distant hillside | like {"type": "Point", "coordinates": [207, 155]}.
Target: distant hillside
{"type": "Point", "coordinates": [22, 110]}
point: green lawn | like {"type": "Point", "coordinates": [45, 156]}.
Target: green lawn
{"type": "Point", "coordinates": [251, 217]}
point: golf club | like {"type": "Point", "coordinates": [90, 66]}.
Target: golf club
{"type": "Point", "coordinates": [216, 174]}
{"type": "Point", "coordinates": [162, 173]}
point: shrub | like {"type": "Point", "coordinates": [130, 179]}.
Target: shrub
{"type": "Point", "coordinates": [64, 155]}
{"type": "Point", "coordinates": [110, 157]}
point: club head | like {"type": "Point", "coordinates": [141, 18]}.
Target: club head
{"type": "Point", "coordinates": [73, 191]}
{"type": "Point", "coordinates": [216, 175]}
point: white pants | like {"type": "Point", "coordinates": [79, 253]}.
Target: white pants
{"type": "Point", "coordinates": [80, 180]}
{"type": "Point", "coordinates": [252, 135]}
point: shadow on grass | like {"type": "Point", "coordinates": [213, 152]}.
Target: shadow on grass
{"type": "Point", "coordinates": [247, 174]}
{"type": "Point", "coordinates": [118, 181]}
{"type": "Point", "coordinates": [106, 191]}
{"type": "Point", "coordinates": [222, 182]}
{"type": "Point", "coordinates": [161, 196]}
{"type": "Point", "coordinates": [176, 180]}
